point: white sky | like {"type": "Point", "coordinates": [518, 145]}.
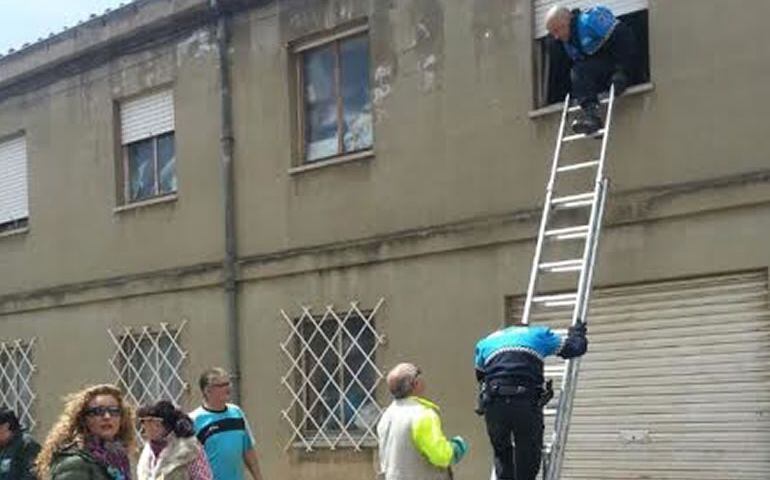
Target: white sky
{"type": "Point", "coordinates": [27, 20]}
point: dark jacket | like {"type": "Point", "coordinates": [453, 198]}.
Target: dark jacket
{"type": "Point", "coordinates": [18, 457]}
{"type": "Point", "coordinates": [73, 463]}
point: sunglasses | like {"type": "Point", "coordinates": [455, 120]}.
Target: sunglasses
{"type": "Point", "coordinates": [101, 411]}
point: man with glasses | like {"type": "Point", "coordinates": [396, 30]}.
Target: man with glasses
{"type": "Point", "coordinates": [17, 449]}
{"type": "Point", "coordinates": [411, 441]}
{"type": "Point", "coordinates": [223, 430]}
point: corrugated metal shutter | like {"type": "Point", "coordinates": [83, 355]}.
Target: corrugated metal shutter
{"type": "Point", "coordinates": [618, 7]}
{"type": "Point", "coordinates": [147, 117]}
{"type": "Point", "coordinates": [13, 180]}
{"type": "Point", "coordinates": [675, 385]}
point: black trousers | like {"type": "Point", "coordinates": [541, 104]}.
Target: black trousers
{"type": "Point", "coordinates": [519, 421]}
{"type": "Point", "coordinates": [592, 75]}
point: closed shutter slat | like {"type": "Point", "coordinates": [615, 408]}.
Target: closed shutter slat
{"type": "Point", "coordinates": [147, 117]}
{"type": "Point", "coordinates": [13, 180]}
{"type": "Point", "coordinates": [618, 7]}
{"type": "Point", "coordinates": [683, 361]}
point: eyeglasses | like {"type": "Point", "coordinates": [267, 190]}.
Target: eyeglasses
{"type": "Point", "coordinates": [101, 411]}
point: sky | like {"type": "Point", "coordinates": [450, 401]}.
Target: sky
{"type": "Point", "coordinates": [24, 21]}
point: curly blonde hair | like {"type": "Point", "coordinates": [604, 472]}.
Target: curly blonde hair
{"type": "Point", "coordinates": [70, 428]}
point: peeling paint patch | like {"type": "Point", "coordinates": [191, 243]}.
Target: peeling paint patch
{"type": "Point", "coordinates": [196, 46]}
{"type": "Point", "coordinates": [383, 76]}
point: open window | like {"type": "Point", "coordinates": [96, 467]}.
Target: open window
{"type": "Point", "coordinates": [551, 63]}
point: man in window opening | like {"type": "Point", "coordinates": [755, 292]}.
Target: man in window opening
{"type": "Point", "coordinates": [17, 449]}
{"type": "Point", "coordinates": [223, 430]}
{"type": "Point", "coordinates": [512, 391]}
{"type": "Point", "coordinates": [602, 49]}
{"type": "Point", "coordinates": [411, 442]}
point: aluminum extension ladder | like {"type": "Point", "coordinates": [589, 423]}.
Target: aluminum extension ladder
{"type": "Point", "coordinates": [565, 375]}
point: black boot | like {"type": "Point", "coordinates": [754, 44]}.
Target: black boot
{"type": "Point", "coordinates": [588, 120]}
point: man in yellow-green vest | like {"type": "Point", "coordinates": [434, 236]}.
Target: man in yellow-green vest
{"type": "Point", "coordinates": [412, 444]}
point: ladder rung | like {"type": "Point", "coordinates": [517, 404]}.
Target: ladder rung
{"type": "Point", "coordinates": [581, 136]}
{"type": "Point", "coordinates": [563, 266]}
{"type": "Point", "coordinates": [578, 166]}
{"type": "Point", "coordinates": [555, 369]}
{"type": "Point", "coordinates": [603, 100]}
{"type": "Point", "coordinates": [568, 233]}
{"type": "Point", "coordinates": [574, 201]}
{"type": "Point", "coordinates": [560, 300]}
{"type": "Point", "coordinates": [549, 412]}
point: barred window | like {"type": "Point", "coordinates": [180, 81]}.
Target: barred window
{"type": "Point", "coordinates": [16, 369]}
{"type": "Point", "coordinates": [332, 378]}
{"type": "Point", "coordinates": [148, 364]}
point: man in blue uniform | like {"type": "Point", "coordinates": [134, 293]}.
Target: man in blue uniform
{"type": "Point", "coordinates": [509, 369]}
{"type": "Point", "coordinates": [602, 51]}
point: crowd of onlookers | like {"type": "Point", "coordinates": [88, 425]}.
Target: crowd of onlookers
{"type": "Point", "coordinates": [94, 439]}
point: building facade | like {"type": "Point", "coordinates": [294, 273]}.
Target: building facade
{"type": "Point", "coordinates": [308, 192]}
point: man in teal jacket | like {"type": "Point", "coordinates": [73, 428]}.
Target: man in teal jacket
{"type": "Point", "coordinates": [412, 443]}
{"type": "Point", "coordinates": [602, 50]}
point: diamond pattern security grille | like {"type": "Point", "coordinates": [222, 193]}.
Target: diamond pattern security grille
{"type": "Point", "coordinates": [16, 370]}
{"type": "Point", "coordinates": [148, 363]}
{"type": "Point", "coordinates": [332, 377]}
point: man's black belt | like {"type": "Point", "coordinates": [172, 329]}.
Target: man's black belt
{"type": "Point", "coordinates": [510, 390]}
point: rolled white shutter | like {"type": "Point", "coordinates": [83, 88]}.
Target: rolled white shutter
{"type": "Point", "coordinates": [147, 117]}
{"type": "Point", "coordinates": [618, 7]}
{"type": "Point", "coordinates": [13, 180]}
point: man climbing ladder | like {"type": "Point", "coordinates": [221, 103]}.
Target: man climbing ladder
{"type": "Point", "coordinates": [510, 362]}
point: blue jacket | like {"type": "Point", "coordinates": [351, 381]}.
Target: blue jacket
{"type": "Point", "coordinates": [517, 354]}
{"type": "Point", "coordinates": [589, 31]}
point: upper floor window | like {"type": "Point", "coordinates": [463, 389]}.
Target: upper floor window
{"type": "Point", "coordinates": [552, 65]}
{"type": "Point", "coordinates": [335, 109]}
{"type": "Point", "coordinates": [149, 153]}
{"type": "Point", "coordinates": [14, 204]}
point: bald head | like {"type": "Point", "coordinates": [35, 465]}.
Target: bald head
{"type": "Point", "coordinates": [402, 380]}
{"type": "Point", "coordinates": [557, 22]}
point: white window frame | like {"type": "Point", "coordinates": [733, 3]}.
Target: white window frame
{"type": "Point", "coordinates": [14, 183]}
{"type": "Point", "coordinates": [148, 363]}
{"type": "Point", "coordinates": [305, 365]}
{"type": "Point", "coordinates": [146, 117]}
{"type": "Point", "coordinates": [17, 368]}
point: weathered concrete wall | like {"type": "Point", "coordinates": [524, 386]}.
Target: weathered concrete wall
{"type": "Point", "coordinates": [439, 222]}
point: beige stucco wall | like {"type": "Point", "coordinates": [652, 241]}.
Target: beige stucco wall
{"type": "Point", "coordinates": [439, 223]}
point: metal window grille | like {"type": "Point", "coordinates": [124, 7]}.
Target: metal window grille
{"type": "Point", "coordinates": [16, 369]}
{"type": "Point", "coordinates": [148, 363]}
{"type": "Point", "coordinates": [332, 377]}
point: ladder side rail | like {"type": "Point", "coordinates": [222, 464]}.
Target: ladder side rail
{"type": "Point", "coordinates": [545, 216]}
{"type": "Point", "coordinates": [555, 460]}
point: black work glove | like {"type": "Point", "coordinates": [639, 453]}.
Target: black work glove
{"type": "Point", "coordinates": [546, 395]}
{"type": "Point", "coordinates": [579, 329]}
{"type": "Point", "coordinates": [620, 82]}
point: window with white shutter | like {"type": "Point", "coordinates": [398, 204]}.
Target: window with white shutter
{"type": "Point", "coordinates": [149, 153]}
{"type": "Point", "coordinates": [552, 65]}
{"type": "Point", "coordinates": [14, 203]}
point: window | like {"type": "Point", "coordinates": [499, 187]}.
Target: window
{"type": "Point", "coordinates": [332, 378]}
{"type": "Point", "coordinates": [335, 109]}
{"type": "Point", "coordinates": [149, 153]}
{"type": "Point", "coordinates": [148, 364]}
{"type": "Point", "coordinates": [14, 208]}
{"type": "Point", "coordinates": [552, 65]}
{"type": "Point", "coordinates": [16, 369]}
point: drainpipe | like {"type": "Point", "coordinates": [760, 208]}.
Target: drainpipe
{"type": "Point", "coordinates": [226, 141]}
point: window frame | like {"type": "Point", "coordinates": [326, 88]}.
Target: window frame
{"type": "Point", "coordinates": [19, 224]}
{"type": "Point", "coordinates": [298, 50]}
{"type": "Point", "coordinates": [127, 200]}
{"type": "Point", "coordinates": [19, 357]}
{"type": "Point", "coordinates": [541, 66]}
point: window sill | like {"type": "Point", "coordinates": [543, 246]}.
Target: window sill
{"type": "Point", "coordinates": [146, 203]}
{"type": "Point", "coordinates": [557, 107]}
{"type": "Point", "coordinates": [14, 232]}
{"type": "Point", "coordinates": [351, 157]}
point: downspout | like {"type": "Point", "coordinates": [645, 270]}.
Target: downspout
{"type": "Point", "coordinates": [227, 141]}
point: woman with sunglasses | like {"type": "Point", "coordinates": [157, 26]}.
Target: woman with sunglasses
{"type": "Point", "coordinates": [92, 438]}
{"type": "Point", "coordinates": [171, 451]}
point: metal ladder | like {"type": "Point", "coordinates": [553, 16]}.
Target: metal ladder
{"type": "Point", "coordinates": [593, 202]}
